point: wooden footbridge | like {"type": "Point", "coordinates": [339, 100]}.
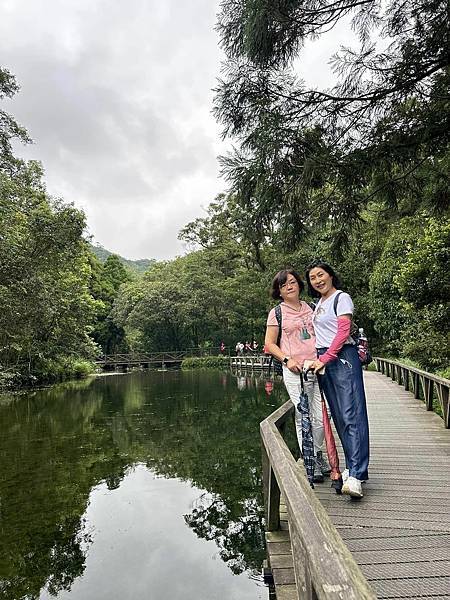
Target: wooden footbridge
{"type": "Point", "coordinates": [140, 359]}
{"type": "Point", "coordinates": [152, 359]}
{"type": "Point", "coordinates": [395, 542]}
{"type": "Point", "coordinates": [130, 360]}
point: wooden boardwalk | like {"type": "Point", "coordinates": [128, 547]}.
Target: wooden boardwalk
{"type": "Point", "coordinates": [399, 533]}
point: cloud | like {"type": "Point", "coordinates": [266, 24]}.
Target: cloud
{"type": "Point", "coordinates": [117, 97]}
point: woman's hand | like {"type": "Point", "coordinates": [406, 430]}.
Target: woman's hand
{"type": "Point", "coordinates": [294, 366]}
{"type": "Point", "coordinates": [317, 366]}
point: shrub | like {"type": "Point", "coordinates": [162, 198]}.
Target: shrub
{"type": "Point", "coordinates": [205, 362]}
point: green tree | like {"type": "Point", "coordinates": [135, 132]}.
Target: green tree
{"type": "Point", "coordinates": [9, 128]}
{"type": "Point", "coordinates": [409, 291]}
{"type": "Point", "coordinates": [107, 278]}
{"type": "Point", "coordinates": [46, 307]}
{"type": "Point", "coordinates": [309, 157]}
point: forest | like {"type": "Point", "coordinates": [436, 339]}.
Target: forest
{"type": "Point", "coordinates": [356, 175]}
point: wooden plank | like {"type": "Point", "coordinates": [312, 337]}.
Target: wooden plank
{"type": "Point", "coordinates": [277, 536]}
{"type": "Point", "coordinates": [283, 576]}
{"type": "Point", "coordinates": [349, 534]}
{"type": "Point", "coordinates": [399, 533]}
{"type": "Point", "coordinates": [282, 561]}
{"type": "Point", "coordinates": [417, 570]}
{"type": "Point", "coordinates": [394, 523]}
{"type": "Point", "coordinates": [401, 542]}
{"type": "Point", "coordinates": [287, 592]}
{"type": "Point", "coordinates": [370, 557]}
{"type": "Point", "coordinates": [411, 516]}
{"type": "Point", "coordinates": [321, 560]}
{"type": "Point", "coordinates": [404, 588]}
{"type": "Point", "coordinates": [277, 548]}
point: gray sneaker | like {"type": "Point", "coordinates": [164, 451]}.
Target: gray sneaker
{"type": "Point", "coordinates": [318, 475]}
{"type": "Point", "coordinates": [322, 463]}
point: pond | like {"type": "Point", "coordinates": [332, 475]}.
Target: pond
{"type": "Point", "coordinates": [145, 485]}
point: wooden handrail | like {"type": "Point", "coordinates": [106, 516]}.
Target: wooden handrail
{"type": "Point", "coordinates": [401, 373]}
{"type": "Point", "coordinates": [168, 355]}
{"type": "Point", "coordinates": [324, 567]}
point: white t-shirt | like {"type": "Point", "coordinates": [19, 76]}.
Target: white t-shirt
{"type": "Point", "coordinates": [325, 319]}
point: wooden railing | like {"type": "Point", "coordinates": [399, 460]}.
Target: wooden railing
{"type": "Point", "coordinates": [259, 361]}
{"type": "Point", "coordinates": [418, 380]}
{"type": "Point", "coordinates": [157, 357]}
{"type": "Point", "coordinates": [140, 358]}
{"type": "Point", "coordinates": [324, 567]}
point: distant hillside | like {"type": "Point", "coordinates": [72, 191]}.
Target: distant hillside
{"type": "Point", "coordinates": [138, 266]}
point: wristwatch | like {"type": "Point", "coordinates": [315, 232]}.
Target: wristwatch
{"type": "Point", "coordinates": [285, 359]}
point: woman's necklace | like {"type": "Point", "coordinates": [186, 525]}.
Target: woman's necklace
{"type": "Point", "coordinates": [297, 307]}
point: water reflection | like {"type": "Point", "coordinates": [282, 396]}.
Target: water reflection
{"type": "Point", "coordinates": [58, 446]}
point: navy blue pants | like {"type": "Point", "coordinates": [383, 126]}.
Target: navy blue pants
{"type": "Point", "coordinates": [343, 387]}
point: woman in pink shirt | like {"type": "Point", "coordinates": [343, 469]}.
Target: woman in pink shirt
{"type": "Point", "coordinates": [297, 344]}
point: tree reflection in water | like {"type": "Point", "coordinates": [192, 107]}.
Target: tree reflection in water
{"type": "Point", "coordinates": [57, 444]}
{"type": "Point", "coordinates": [239, 536]}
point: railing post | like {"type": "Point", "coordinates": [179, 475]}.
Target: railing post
{"type": "Point", "coordinates": [406, 379]}
{"type": "Point", "coordinates": [416, 385]}
{"type": "Point", "coordinates": [445, 403]}
{"type": "Point", "coordinates": [427, 386]}
{"type": "Point", "coordinates": [395, 373]}
{"type": "Point", "coordinates": [305, 590]}
{"type": "Point", "coordinates": [271, 493]}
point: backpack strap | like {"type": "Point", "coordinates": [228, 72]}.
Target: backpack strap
{"type": "Point", "coordinates": [335, 303]}
{"type": "Point", "coordinates": [354, 333]}
{"type": "Point", "coordinates": [279, 316]}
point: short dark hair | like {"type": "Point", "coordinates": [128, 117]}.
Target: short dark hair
{"type": "Point", "coordinates": [281, 278]}
{"type": "Point", "coordinates": [320, 264]}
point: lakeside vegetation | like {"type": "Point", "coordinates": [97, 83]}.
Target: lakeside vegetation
{"type": "Point", "coordinates": [356, 175]}
{"type": "Point", "coordinates": [206, 362]}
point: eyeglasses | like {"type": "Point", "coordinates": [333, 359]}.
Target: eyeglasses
{"type": "Point", "coordinates": [290, 282]}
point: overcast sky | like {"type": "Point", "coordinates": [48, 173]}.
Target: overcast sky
{"type": "Point", "coordinates": [117, 98]}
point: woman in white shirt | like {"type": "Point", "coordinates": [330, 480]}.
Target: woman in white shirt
{"type": "Point", "coordinates": [342, 379]}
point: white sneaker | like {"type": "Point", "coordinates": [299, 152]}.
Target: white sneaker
{"type": "Point", "coordinates": [345, 475]}
{"type": "Point", "coordinates": [353, 488]}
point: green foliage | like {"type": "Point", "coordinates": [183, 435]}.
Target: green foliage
{"type": "Point", "coordinates": [210, 295]}
{"type": "Point", "coordinates": [46, 308]}
{"type": "Point", "coordinates": [106, 280]}
{"type": "Point", "coordinates": [425, 288]}
{"type": "Point", "coordinates": [44, 274]}
{"type": "Point", "coordinates": [409, 291]}
{"type": "Point", "coordinates": [9, 129]}
{"type": "Point", "coordinates": [308, 158]}
{"type": "Point", "coordinates": [296, 195]}
{"type": "Point", "coordinates": [62, 368]}
{"type": "Point", "coordinates": [444, 373]}
{"type": "Point", "coordinates": [206, 362]}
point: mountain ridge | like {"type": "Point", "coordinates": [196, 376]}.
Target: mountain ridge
{"type": "Point", "coordinates": [139, 266]}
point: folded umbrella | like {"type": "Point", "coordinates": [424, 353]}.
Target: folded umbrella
{"type": "Point", "coordinates": [330, 443]}
{"type": "Point", "coordinates": [333, 458]}
{"type": "Point", "coordinates": [309, 458]}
